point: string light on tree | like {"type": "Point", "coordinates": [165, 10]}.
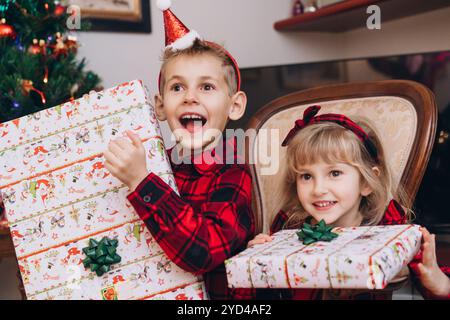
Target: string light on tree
{"type": "Point", "coordinates": [37, 47]}
{"type": "Point", "coordinates": [45, 80]}
{"type": "Point", "coordinates": [15, 104]}
{"type": "Point", "coordinates": [27, 87]}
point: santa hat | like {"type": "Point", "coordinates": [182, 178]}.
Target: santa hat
{"type": "Point", "coordinates": [179, 37]}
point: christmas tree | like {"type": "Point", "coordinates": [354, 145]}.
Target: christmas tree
{"type": "Point", "coordinates": [38, 64]}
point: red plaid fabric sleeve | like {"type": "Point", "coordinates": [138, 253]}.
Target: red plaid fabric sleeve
{"type": "Point", "coordinates": [278, 222]}
{"type": "Point", "coordinates": [199, 239]}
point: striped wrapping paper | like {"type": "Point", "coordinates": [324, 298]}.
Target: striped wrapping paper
{"type": "Point", "coordinates": [58, 195]}
{"type": "Point", "coordinates": [359, 258]}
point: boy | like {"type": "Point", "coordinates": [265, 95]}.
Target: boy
{"type": "Point", "coordinates": [212, 219]}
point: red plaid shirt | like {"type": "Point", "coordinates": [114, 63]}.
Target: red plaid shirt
{"type": "Point", "coordinates": [209, 222]}
{"type": "Point", "coordinates": [394, 215]}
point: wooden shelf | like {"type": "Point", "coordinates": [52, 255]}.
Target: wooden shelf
{"type": "Point", "coordinates": [351, 14]}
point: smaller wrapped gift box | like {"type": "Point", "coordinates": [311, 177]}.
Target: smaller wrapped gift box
{"type": "Point", "coordinates": [360, 257]}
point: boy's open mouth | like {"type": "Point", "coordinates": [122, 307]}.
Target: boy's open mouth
{"type": "Point", "coordinates": [192, 122]}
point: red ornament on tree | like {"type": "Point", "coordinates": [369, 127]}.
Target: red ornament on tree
{"type": "Point", "coordinates": [72, 43]}
{"type": "Point", "coordinates": [59, 10]}
{"type": "Point", "coordinates": [6, 31]}
{"type": "Point", "coordinates": [60, 48]}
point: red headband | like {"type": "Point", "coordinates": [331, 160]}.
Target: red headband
{"type": "Point", "coordinates": [309, 117]}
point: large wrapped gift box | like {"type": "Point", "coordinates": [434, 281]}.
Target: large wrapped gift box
{"type": "Point", "coordinates": [361, 257]}
{"type": "Point", "coordinates": [58, 195]}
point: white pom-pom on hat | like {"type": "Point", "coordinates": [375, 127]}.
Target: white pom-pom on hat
{"type": "Point", "coordinates": [163, 5]}
{"type": "Point", "coordinates": [184, 42]}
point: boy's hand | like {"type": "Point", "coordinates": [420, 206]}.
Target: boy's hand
{"type": "Point", "coordinates": [431, 276]}
{"type": "Point", "coordinates": [126, 160]}
{"type": "Point", "coordinates": [259, 239]}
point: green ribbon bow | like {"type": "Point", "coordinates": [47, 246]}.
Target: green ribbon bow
{"type": "Point", "coordinates": [101, 255]}
{"type": "Point", "coordinates": [320, 232]}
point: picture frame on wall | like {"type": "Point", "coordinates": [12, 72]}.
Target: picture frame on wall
{"type": "Point", "coordinates": [115, 15]}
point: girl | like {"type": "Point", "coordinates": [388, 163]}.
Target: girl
{"type": "Point", "coordinates": [336, 171]}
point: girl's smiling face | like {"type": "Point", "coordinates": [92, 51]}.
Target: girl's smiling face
{"type": "Point", "coordinates": [332, 192]}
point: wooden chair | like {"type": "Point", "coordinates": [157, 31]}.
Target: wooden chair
{"type": "Point", "coordinates": [403, 113]}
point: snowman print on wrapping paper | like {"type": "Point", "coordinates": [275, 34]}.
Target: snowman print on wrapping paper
{"type": "Point", "coordinates": [114, 200]}
{"type": "Point", "coordinates": [92, 96]}
{"type": "Point", "coordinates": [33, 117]}
{"type": "Point", "coordinates": [9, 160]}
{"type": "Point", "coordinates": [377, 270]}
{"type": "Point", "coordinates": [72, 256]}
{"type": "Point", "coordinates": [97, 170]}
{"type": "Point", "coordinates": [152, 118]}
{"type": "Point", "coordinates": [156, 148]}
{"type": "Point", "coordinates": [264, 269]}
{"type": "Point", "coordinates": [71, 109]}
{"type": "Point", "coordinates": [51, 272]}
{"type": "Point", "coordinates": [117, 277]}
{"type": "Point", "coordinates": [164, 265]}
{"type": "Point", "coordinates": [373, 234]}
{"type": "Point", "coordinates": [82, 136]}
{"type": "Point", "coordinates": [133, 234]}
{"type": "Point", "coordinates": [35, 154]}
{"type": "Point", "coordinates": [61, 146]}
{"type": "Point", "coordinates": [143, 274]}
{"type": "Point", "coordinates": [115, 123]}
{"type": "Point", "coordinates": [24, 271]}
{"type": "Point", "coordinates": [8, 196]}
{"type": "Point", "coordinates": [4, 130]}
{"type": "Point", "coordinates": [50, 113]}
{"type": "Point", "coordinates": [91, 210]}
{"type": "Point", "coordinates": [400, 252]}
{"type": "Point", "coordinates": [43, 189]}
{"type": "Point", "coordinates": [75, 174]}
{"type": "Point", "coordinates": [36, 264]}
{"type": "Point", "coordinates": [135, 116]}
{"type": "Point", "coordinates": [298, 279]}
{"type": "Point", "coordinates": [17, 237]}
{"type": "Point", "coordinates": [58, 221]}
{"type": "Point", "coordinates": [36, 231]}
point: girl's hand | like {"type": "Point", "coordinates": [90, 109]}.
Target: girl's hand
{"type": "Point", "coordinates": [126, 160]}
{"type": "Point", "coordinates": [259, 239]}
{"type": "Point", "coordinates": [430, 275]}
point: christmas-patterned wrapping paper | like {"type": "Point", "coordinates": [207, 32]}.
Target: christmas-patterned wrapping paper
{"type": "Point", "coordinates": [359, 258]}
{"type": "Point", "coordinates": [58, 195]}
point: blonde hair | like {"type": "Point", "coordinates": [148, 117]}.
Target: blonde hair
{"type": "Point", "coordinates": [332, 143]}
{"type": "Point", "coordinates": [199, 48]}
